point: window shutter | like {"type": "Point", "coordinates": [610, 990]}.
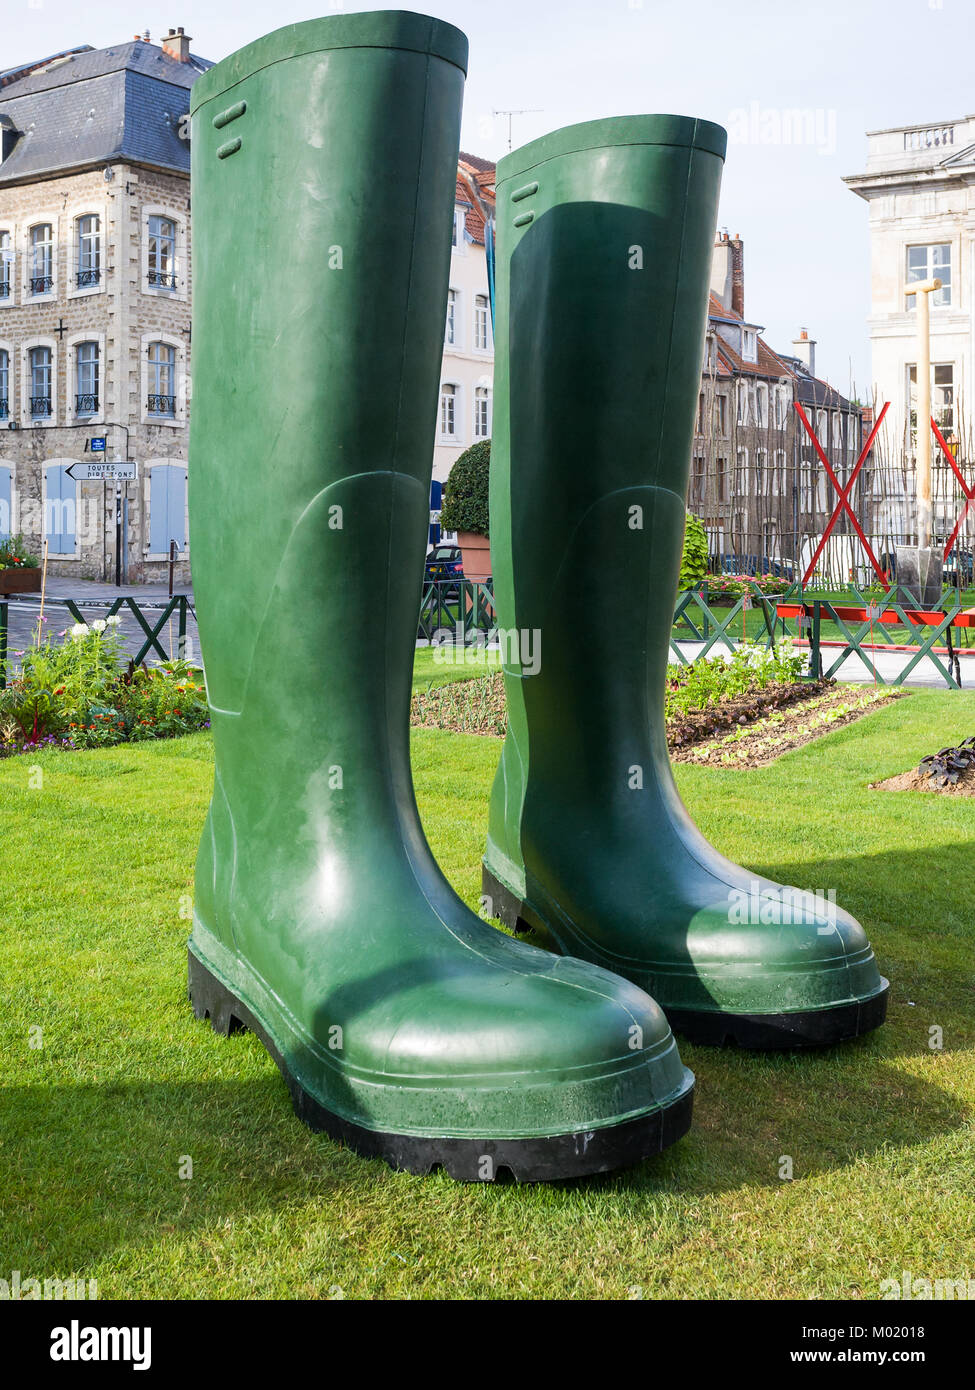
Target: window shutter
{"type": "Point", "coordinates": [59, 519]}
{"type": "Point", "coordinates": [6, 503]}
{"type": "Point", "coordinates": [167, 507]}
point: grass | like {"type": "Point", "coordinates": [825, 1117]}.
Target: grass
{"type": "Point", "coordinates": [436, 666]}
{"type": "Point", "coordinates": [98, 860]}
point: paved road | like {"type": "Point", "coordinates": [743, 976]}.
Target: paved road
{"type": "Point", "coordinates": [889, 664]}
{"type": "Point", "coordinates": [94, 600]}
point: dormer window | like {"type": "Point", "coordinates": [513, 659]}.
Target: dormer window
{"type": "Point", "coordinates": [457, 238]}
{"type": "Point", "coordinates": [749, 344]}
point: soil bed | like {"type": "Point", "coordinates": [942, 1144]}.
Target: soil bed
{"type": "Point", "coordinates": [915, 781]}
{"type": "Point", "coordinates": [742, 731]}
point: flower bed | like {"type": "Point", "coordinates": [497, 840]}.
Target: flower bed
{"type": "Point", "coordinates": [84, 693]}
{"type": "Point", "coordinates": [727, 589]}
{"type": "Point", "coordinates": [13, 555]}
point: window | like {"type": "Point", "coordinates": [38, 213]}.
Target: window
{"type": "Point", "coordinates": [167, 507]}
{"type": "Point", "coordinates": [482, 340]}
{"type": "Point", "coordinates": [450, 331]}
{"type": "Point", "coordinates": [448, 411]}
{"type": "Point", "coordinates": [162, 253]}
{"type": "Point", "coordinates": [6, 264]}
{"type": "Point", "coordinates": [482, 413]}
{"type": "Point", "coordinates": [778, 474]}
{"type": "Point", "coordinates": [749, 344]}
{"type": "Point", "coordinates": [742, 480]}
{"type": "Point", "coordinates": [781, 407]}
{"type": "Point", "coordinates": [942, 395]}
{"type": "Point", "coordinates": [41, 259]}
{"type": "Point", "coordinates": [698, 479]}
{"type": "Point", "coordinates": [722, 474]}
{"type": "Point", "coordinates": [930, 263]}
{"type": "Point", "coordinates": [60, 507]}
{"type": "Point", "coordinates": [701, 413]}
{"type": "Point", "coordinates": [721, 414]}
{"type": "Point", "coordinates": [39, 359]}
{"type": "Point", "coordinates": [4, 384]}
{"type": "Point", "coordinates": [457, 235]}
{"type": "Point", "coordinates": [89, 251]}
{"type": "Point", "coordinates": [86, 379]}
{"type": "Point", "coordinates": [162, 380]}
{"type": "Point", "coordinates": [761, 473]}
{"type": "Point", "coordinates": [761, 405]}
{"type": "Point", "coordinates": [742, 403]}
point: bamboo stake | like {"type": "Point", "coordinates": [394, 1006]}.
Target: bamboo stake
{"type": "Point", "coordinates": [40, 616]}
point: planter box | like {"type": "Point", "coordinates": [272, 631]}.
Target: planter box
{"type": "Point", "coordinates": [20, 581]}
{"type": "Point", "coordinates": [477, 555]}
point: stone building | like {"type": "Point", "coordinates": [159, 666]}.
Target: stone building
{"type": "Point", "coordinates": [756, 482]}
{"type": "Point", "coordinates": [95, 287]}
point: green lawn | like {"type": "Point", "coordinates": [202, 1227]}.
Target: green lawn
{"type": "Point", "coordinates": [98, 861]}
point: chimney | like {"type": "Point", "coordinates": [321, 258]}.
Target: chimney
{"type": "Point", "coordinates": [176, 45]}
{"type": "Point", "coordinates": [721, 270]}
{"type": "Point", "coordinates": [737, 275]}
{"type": "Point", "coordinates": [805, 350]}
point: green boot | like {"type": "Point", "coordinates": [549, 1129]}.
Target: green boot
{"type": "Point", "coordinates": [324, 168]}
{"type": "Point", "coordinates": [605, 233]}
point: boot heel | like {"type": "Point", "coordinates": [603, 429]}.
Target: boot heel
{"type": "Point", "coordinates": [212, 1001]}
{"type": "Point", "coordinates": [499, 902]}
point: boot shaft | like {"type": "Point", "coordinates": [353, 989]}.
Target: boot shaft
{"type": "Point", "coordinates": [324, 165]}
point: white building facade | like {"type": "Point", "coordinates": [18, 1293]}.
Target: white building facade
{"type": "Point", "coordinates": [920, 186]}
{"type": "Point", "coordinates": [466, 404]}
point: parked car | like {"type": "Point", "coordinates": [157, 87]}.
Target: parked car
{"type": "Point", "coordinates": [444, 562]}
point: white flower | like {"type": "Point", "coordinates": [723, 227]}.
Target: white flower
{"type": "Point", "coordinates": [78, 631]}
{"type": "Point", "coordinates": [114, 621]}
{"type": "Point", "coordinates": [98, 625]}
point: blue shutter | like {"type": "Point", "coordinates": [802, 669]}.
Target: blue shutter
{"type": "Point", "coordinates": [167, 507]}
{"type": "Point", "coordinates": [6, 502]}
{"type": "Point", "coordinates": [59, 511]}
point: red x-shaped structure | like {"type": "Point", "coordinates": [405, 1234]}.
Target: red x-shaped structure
{"type": "Point", "coordinates": [844, 495]}
{"type": "Point", "coordinates": [968, 491]}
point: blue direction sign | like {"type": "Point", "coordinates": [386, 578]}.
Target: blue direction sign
{"type": "Point", "coordinates": [97, 446]}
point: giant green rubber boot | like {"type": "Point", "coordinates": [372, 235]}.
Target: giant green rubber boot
{"type": "Point", "coordinates": [324, 168]}
{"type": "Point", "coordinates": [605, 233]}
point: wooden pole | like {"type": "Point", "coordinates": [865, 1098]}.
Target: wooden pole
{"type": "Point", "coordinates": [40, 616]}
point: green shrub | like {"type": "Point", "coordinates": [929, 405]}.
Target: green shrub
{"type": "Point", "coordinates": [694, 561]}
{"type": "Point", "coordinates": [465, 496]}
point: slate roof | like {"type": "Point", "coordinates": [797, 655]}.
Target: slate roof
{"type": "Point", "coordinates": [98, 106]}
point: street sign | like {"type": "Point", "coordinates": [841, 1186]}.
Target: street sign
{"type": "Point", "coordinates": [118, 472]}
{"type": "Point", "coordinates": [97, 446]}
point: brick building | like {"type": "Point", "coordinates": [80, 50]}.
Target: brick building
{"type": "Point", "coordinates": [95, 286]}
{"type": "Point", "coordinates": [755, 481]}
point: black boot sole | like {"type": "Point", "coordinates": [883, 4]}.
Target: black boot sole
{"type": "Point", "coordinates": [543, 1159]}
{"type": "Point", "coordinates": [710, 1027]}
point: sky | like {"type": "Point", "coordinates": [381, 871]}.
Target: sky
{"type": "Point", "coordinates": [849, 65]}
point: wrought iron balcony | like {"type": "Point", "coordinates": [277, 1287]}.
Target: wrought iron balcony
{"type": "Point", "coordinates": [162, 280]}
{"type": "Point", "coordinates": [86, 404]}
{"type": "Point", "coordinates": [4, 409]}
{"type": "Point", "coordinates": [162, 405]}
{"type": "Point", "coordinates": [4, 289]}
{"type": "Point", "coordinates": [88, 277]}
{"type": "Point", "coordinates": [40, 406]}
{"type": "Point", "coordinates": [40, 284]}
